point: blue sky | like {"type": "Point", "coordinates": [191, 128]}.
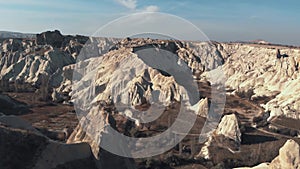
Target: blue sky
{"type": "Point", "coordinates": [276, 21]}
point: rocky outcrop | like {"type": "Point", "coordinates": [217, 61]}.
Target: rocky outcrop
{"type": "Point", "coordinates": [54, 38]}
{"type": "Point", "coordinates": [288, 158]}
{"type": "Point", "coordinates": [100, 134]}
{"type": "Point", "coordinates": [260, 166]}
{"type": "Point", "coordinates": [227, 136]}
{"type": "Point", "coordinates": [203, 107]}
{"type": "Point", "coordinates": [229, 127]}
{"type": "Point", "coordinates": [23, 69]}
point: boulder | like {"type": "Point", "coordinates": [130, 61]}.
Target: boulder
{"type": "Point", "coordinates": [229, 127]}
{"type": "Point", "coordinates": [289, 156]}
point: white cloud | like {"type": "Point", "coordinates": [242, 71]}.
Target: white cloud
{"type": "Point", "coordinates": [151, 8]}
{"type": "Point", "coordinates": [131, 4]}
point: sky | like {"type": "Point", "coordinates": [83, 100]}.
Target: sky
{"type": "Point", "coordinates": [276, 21]}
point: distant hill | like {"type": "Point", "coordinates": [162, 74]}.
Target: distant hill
{"type": "Point", "coordinates": [6, 34]}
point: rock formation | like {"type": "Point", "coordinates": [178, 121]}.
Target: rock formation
{"type": "Point", "coordinates": [250, 67]}
{"type": "Point", "coordinates": [96, 129]}
{"type": "Point", "coordinates": [54, 38]}
{"type": "Point", "coordinates": [22, 146]}
{"type": "Point", "coordinates": [24, 62]}
{"type": "Point", "coordinates": [247, 67]}
{"type": "Point", "coordinates": [227, 136]}
{"type": "Point", "coordinates": [288, 158]}
{"type": "Point", "coordinates": [137, 75]}
{"type": "Point", "coordinates": [203, 107]}
{"type": "Point", "coordinates": [143, 75]}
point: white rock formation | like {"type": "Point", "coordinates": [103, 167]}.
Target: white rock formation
{"type": "Point", "coordinates": [203, 107]}
{"type": "Point", "coordinates": [256, 67]}
{"type": "Point", "coordinates": [28, 64]}
{"type": "Point", "coordinates": [289, 156]}
{"type": "Point", "coordinates": [98, 129]}
{"type": "Point", "coordinates": [227, 135]}
{"type": "Point", "coordinates": [247, 66]}
{"type": "Point", "coordinates": [229, 127]}
{"type": "Point", "coordinates": [23, 62]}
{"type": "Point", "coordinates": [139, 75]}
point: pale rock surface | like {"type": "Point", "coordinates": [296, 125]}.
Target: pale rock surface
{"type": "Point", "coordinates": [203, 107]}
{"type": "Point", "coordinates": [227, 135]}
{"type": "Point", "coordinates": [229, 127]}
{"type": "Point", "coordinates": [23, 62]}
{"type": "Point", "coordinates": [256, 67]}
{"type": "Point", "coordinates": [260, 166]}
{"type": "Point", "coordinates": [98, 128]}
{"type": "Point", "coordinates": [289, 156]}
{"type": "Point", "coordinates": [142, 71]}
{"type": "Point", "coordinates": [134, 75]}
{"type": "Point", "coordinates": [247, 66]}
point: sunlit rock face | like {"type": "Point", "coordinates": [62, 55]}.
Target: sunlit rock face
{"type": "Point", "coordinates": [247, 67]}
{"type": "Point", "coordinates": [203, 107]}
{"type": "Point", "coordinates": [137, 72]}
{"type": "Point", "coordinates": [96, 129]}
{"type": "Point", "coordinates": [227, 136]}
{"type": "Point", "coordinates": [257, 68]}
{"type": "Point", "coordinates": [137, 75]}
{"type": "Point", "coordinates": [45, 61]}
{"type": "Point", "coordinates": [289, 156]}
{"type": "Point", "coordinates": [229, 127]}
